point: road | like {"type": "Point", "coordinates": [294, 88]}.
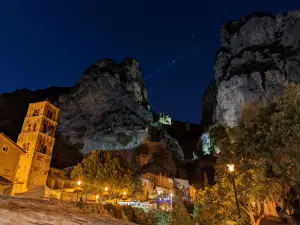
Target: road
{"type": "Point", "coordinates": [15, 211]}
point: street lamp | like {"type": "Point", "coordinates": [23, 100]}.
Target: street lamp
{"type": "Point", "coordinates": [231, 170]}
{"type": "Point", "coordinates": [106, 188]}
{"type": "Point", "coordinates": [78, 183]}
{"type": "Point", "coordinates": [97, 197]}
{"type": "Point", "coordinates": [124, 193]}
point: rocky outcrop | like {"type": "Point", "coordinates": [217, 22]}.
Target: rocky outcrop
{"type": "Point", "coordinates": [259, 54]}
{"type": "Point", "coordinates": [106, 109]}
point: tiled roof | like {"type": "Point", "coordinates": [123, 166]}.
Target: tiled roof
{"type": "Point", "coordinates": [12, 142]}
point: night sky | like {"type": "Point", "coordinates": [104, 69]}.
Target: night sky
{"type": "Point", "coordinates": [51, 43]}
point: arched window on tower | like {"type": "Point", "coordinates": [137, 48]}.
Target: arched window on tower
{"type": "Point", "coordinates": [49, 130]}
{"type": "Point", "coordinates": [34, 127]}
{"type": "Point", "coordinates": [44, 127]}
{"type": "Point", "coordinates": [29, 127]}
{"type": "Point", "coordinates": [49, 114]}
{"type": "Point", "coordinates": [35, 112]}
{"type": "Point", "coordinates": [43, 149]}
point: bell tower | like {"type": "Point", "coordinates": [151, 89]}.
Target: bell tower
{"type": "Point", "coordinates": [37, 139]}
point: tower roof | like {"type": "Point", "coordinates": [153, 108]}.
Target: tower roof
{"type": "Point", "coordinates": [46, 100]}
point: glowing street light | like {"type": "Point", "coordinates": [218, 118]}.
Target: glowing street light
{"type": "Point", "coordinates": [78, 183]}
{"type": "Point", "coordinates": [124, 193]}
{"type": "Point", "coordinates": [97, 196]}
{"type": "Point", "coordinates": [231, 170]}
{"type": "Point", "coordinates": [106, 188]}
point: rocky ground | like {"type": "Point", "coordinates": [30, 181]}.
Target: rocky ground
{"type": "Point", "coordinates": [49, 212]}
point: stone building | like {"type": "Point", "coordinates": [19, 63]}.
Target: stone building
{"type": "Point", "coordinates": [10, 153]}
{"type": "Point", "coordinates": [27, 162]}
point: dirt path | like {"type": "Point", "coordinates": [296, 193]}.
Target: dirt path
{"type": "Point", "coordinates": [15, 211]}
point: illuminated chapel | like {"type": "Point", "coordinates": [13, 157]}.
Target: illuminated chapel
{"type": "Point", "coordinates": [25, 164]}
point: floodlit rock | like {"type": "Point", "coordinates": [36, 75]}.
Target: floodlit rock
{"type": "Point", "coordinates": [259, 54]}
{"type": "Point", "coordinates": [106, 109]}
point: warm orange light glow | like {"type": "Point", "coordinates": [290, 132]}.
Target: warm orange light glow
{"type": "Point", "coordinates": [106, 188]}
{"type": "Point", "coordinates": [97, 196]}
{"type": "Point", "coordinates": [79, 183]}
{"type": "Point", "coordinates": [230, 167]}
{"type": "Point", "coordinates": [124, 193]}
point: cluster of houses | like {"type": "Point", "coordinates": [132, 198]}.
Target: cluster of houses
{"type": "Point", "coordinates": [25, 165]}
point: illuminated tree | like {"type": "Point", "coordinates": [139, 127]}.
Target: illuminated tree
{"type": "Point", "coordinates": [264, 148]}
{"type": "Point", "coordinates": [180, 215]}
{"type": "Point", "coordinates": [101, 169]}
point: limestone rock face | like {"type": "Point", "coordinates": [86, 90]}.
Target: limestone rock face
{"type": "Point", "coordinates": [259, 54]}
{"type": "Point", "coordinates": [107, 107]}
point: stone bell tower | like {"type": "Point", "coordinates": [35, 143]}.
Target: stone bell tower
{"type": "Point", "coordinates": [37, 139]}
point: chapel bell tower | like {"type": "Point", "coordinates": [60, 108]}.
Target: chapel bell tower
{"type": "Point", "coordinates": [37, 139]}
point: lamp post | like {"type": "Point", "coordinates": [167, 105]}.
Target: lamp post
{"type": "Point", "coordinates": [78, 184]}
{"type": "Point", "coordinates": [194, 196]}
{"type": "Point", "coordinates": [231, 170]}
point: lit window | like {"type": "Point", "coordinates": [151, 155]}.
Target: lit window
{"type": "Point", "coordinates": [5, 149]}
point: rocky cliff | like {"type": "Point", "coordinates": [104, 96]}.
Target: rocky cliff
{"type": "Point", "coordinates": [259, 54]}
{"type": "Point", "coordinates": [107, 108]}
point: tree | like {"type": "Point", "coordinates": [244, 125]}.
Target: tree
{"type": "Point", "coordinates": [253, 188]}
{"type": "Point", "coordinates": [272, 133]}
{"type": "Point", "coordinates": [265, 149]}
{"type": "Point", "coordinates": [101, 169]}
{"type": "Point", "coordinates": [180, 215]}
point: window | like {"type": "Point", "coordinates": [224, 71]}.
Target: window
{"type": "Point", "coordinates": [49, 115]}
{"type": "Point", "coordinates": [49, 130]}
{"type": "Point", "coordinates": [43, 149]}
{"type": "Point", "coordinates": [35, 112]}
{"type": "Point", "coordinates": [34, 127]}
{"type": "Point", "coordinates": [44, 128]}
{"type": "Point", "coordinates": [29, 126]}
{"type": "Point", "coordinates": [5, 149]}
